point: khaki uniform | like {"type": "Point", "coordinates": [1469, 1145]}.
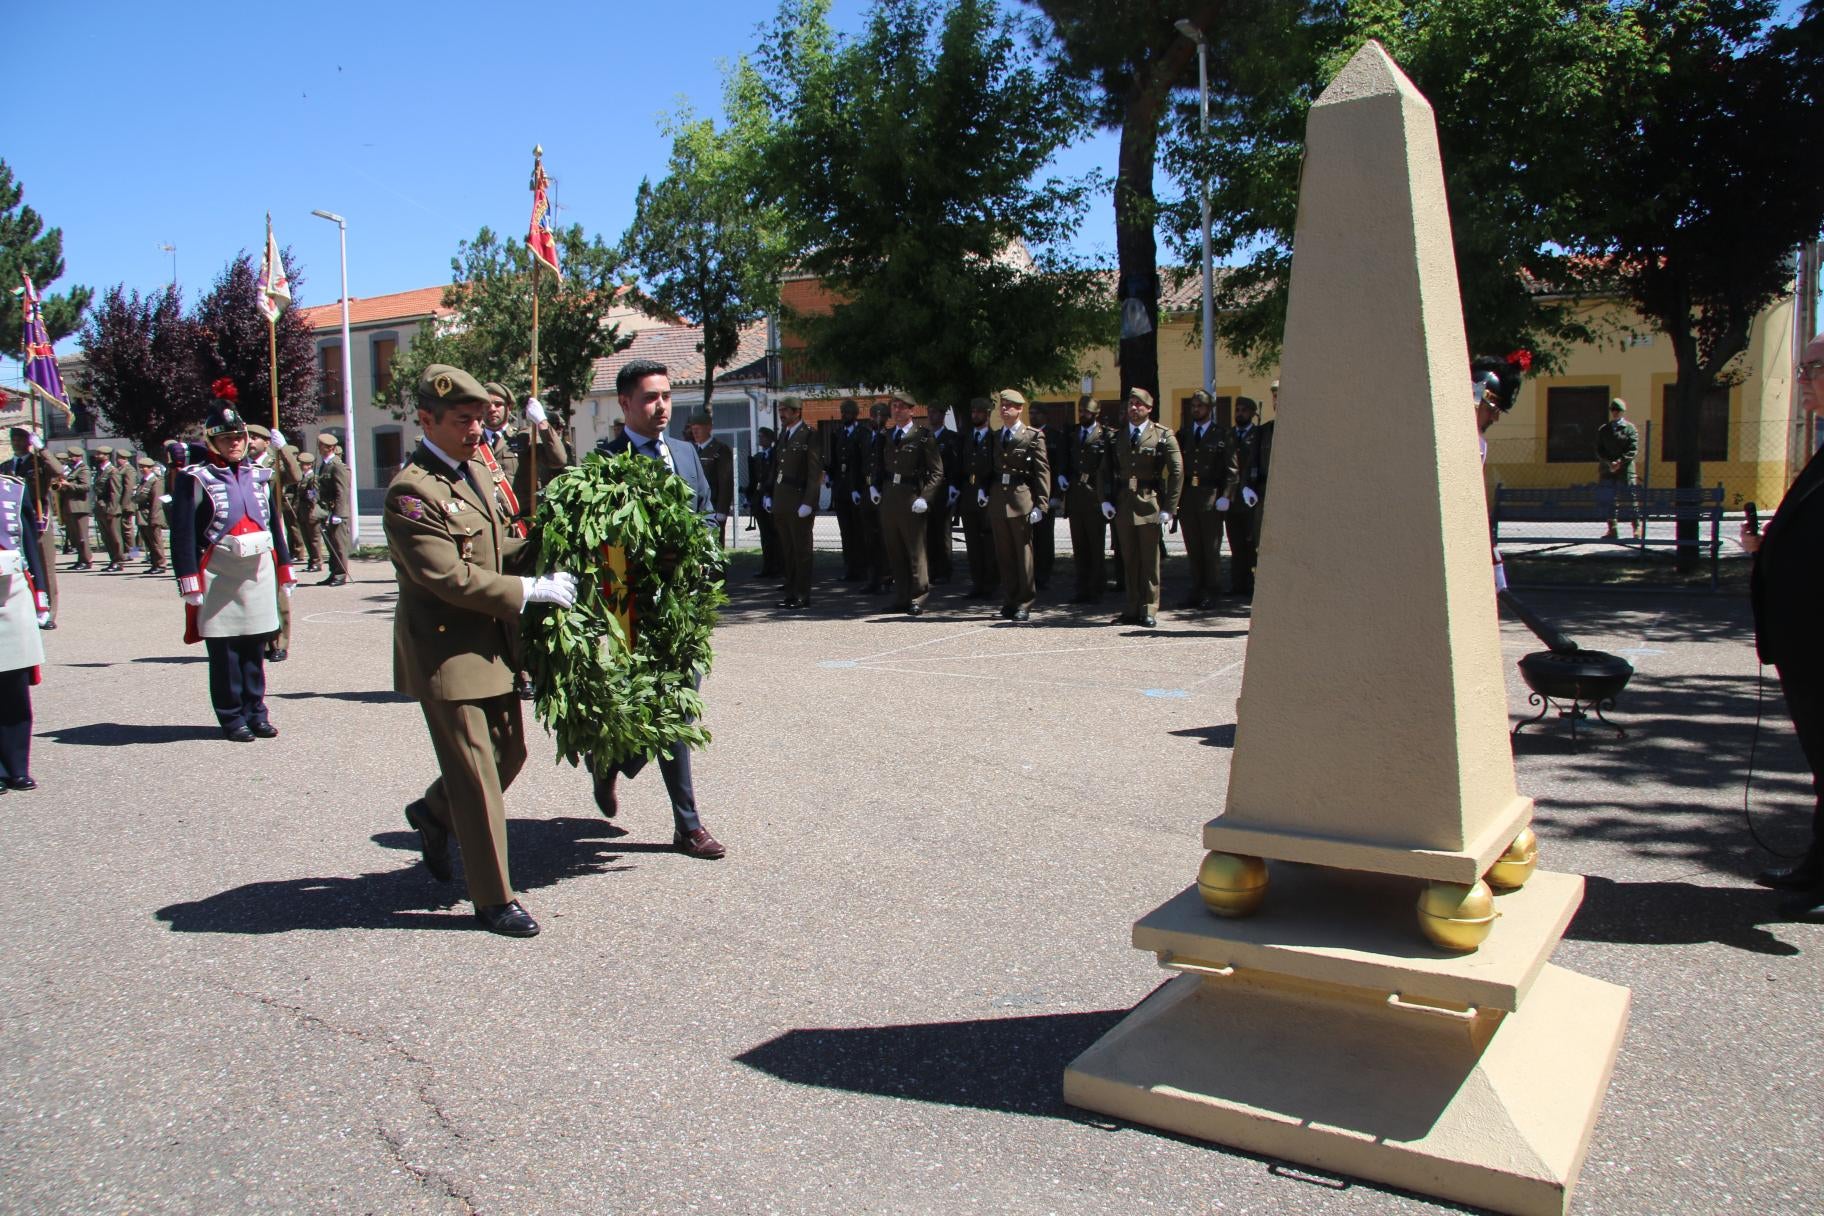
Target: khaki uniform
{"type": "Point", "coordinates": [78, 494]}
{"type": "Point", "coordinates": [332, 511]}
{"type": "Point", "coordinates": [453, 631]}
{"type": "Point", "coordinates": [910, 467]}
{"type": "Point", "coordinates": [287, 473]}
{"type": "Point", "coordinates": [1022, 479]}
{"type": "Point", "coordinates": [1617, 440]}
{"type": "Point", "coordinates": [797, 479]}
{"type": "Point", "coordinates": [111, 492]}
{"type": "Point", "coordinates": [511, 448]}
{"type": "Point", "coordinates": [1209, 468]}
{"type": "Point", "coordinates": [718, 461]}
{"type": "Point", "coordinates": [149, 511]}
{"type": "Point", "coordinates": [1086, 450]}
{"type": "Point", "coordinates": [304, 502]}
{"type": "Point", "coordinates": [1142, 480]}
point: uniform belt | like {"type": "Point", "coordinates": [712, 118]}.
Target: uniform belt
{"type": "Point", "coordinates": [792, 485]}
{"type": "Point", "coordinates": [1146, 486]}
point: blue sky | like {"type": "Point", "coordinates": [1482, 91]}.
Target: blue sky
{"type": "Point", "coordinates": [185, 123]}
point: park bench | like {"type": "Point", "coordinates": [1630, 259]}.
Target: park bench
{"type": "Point", "coordinates": [1595, 504]}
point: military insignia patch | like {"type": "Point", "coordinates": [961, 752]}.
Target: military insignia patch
{"type": "Point", "coordinates": [442, 385]}
{"type": "Point", "coordinates": [411, 508]}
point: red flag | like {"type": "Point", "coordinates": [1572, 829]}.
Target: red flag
{"type": "Point", "coordinates": [540, 238]}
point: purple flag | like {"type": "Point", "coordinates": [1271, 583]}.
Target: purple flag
{"type": "Point", "coordinates": [40, 359]}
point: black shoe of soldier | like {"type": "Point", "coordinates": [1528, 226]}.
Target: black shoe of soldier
{"type": "Point", "coordinates": [508, 920]}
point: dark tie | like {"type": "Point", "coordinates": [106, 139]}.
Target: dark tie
{"type": "Point", "coordinates": [1133, 435]}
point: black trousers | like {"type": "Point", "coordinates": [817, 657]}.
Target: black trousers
{"type": "Point", "coordinates": [1044, 549]}
{"type": "Point", "coordinates": [237, 679]}
{"type": "Point", "coordinates": [1804, 689]}
{"type": "Point", "coordinates": [848, 529]}
{"type": "Point", "coordinates": [769, 541]}
{"type": "Point", "coordinates": [937, 540]}
{"type": "Point", "coordinates": [1244, 550]}
{"type": "Point", "coordinates": [16, 723]}
{"type": "Point", "coordinates": [675, 769]}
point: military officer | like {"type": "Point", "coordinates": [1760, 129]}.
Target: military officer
{"type": "Point", "coordinates": [149, 513]}
{"type": "Point", "coordinates": [33, 465]}
{"type": "Point", "coordinates": [129, 529]}
{"type": "Point", "coordinates": [1252, 446]}
{"type": "Point", "coordinates": [1617, 446]}
{"type": "Point", "coordinates": [937, 520]}
{"type": "Point", "coordinates": [908, 482]}
{"type": "Point", "coordinates": [25, 609]}
{"type": "Point", "coordinates": [110, 501]}
{"type": "Point", "coordinates": [231, 567]}
{"type": "Point", "coordinates": [797, 478]}
{"type": "Point", "coordinates": [1209, 468]}
{"type": "Point", "coordinates": [1140, 488]}
{"type": "Point", "coordinates": [718, 461]}
{"type": "Point", "coordinates": [304, 498]}
{"type": "Point", "coordinates": [333, 506]}
{"type": "Point", "coordinates": [282, 458]}
{"type": "Point", "coordinates": [460, 596]}
{"type": "Point", "coordinates": [1085, 449]}
{"type": "Point", "coordinates": [759, 486]}
{"type": "Point", "coordinates": [873, 535]}
{"type": "Point", "coordinates": [1016, 501]}
{"type": "Point", "coordinates": [75, 467]}
{"type": "Point", "coordinates": [972, 506]}
{"type": "Point", "coordinates": [505, 449]}
{"type": "Point", "coordinates": [850, 478]}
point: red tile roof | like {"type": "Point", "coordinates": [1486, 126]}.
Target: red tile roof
{"type": "Point", "coordinates": [399, 306]}
{"type": "Point", "coordinates": [678, 347]}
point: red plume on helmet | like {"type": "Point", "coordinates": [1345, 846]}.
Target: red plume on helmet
{"type": "Point", "coordinates": [224, 390]}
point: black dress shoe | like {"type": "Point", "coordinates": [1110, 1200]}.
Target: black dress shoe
{"type": "Point", "coordinates": [334, 580]}
{"type": "Point", "coordinates": [48, 625]}
{"type": "Point", "coordinates": [788, 602]}
{"type": "Point", "coordinates": [1126, 618]}
{"type": "Point", "coordinates": [508, 920]}
{"type": "Point", "coordinates": [433, 839]}
{"type": "Point", "coordinates": [698, 843]}
{"type": "Point", "coordinates": [264, 730]}
{"type": "Point", "coordinates": [237, 734]}
{"type": "Point", "coordinates": [1150, 621]}
{"type": "Point", "coordinates": [277, 654]}
{"type": "Point", "coordinates": [605, 800]}
{"type": "Point", "coordinates": [20, 783]}
{"type": "Point", "coordinates": [1808, 873]}
{"type": "Point", "coordinates": [1021, 614]}
{"type": "Point", "coordinates": [915, 610]}
{"type": "Point", "coordinates": [1807, 905]}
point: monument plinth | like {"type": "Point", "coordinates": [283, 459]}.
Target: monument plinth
{"type": "Point", "coordinates": [1311, 1019]}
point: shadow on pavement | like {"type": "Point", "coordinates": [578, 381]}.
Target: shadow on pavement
{"type": "Point", "coordinates": [128, 734]}
{"type": "Point", "coordinates": [1211, 736]}
{"type": "Point", "coordinates": [172, 658]}
{"type": "Point", "coordinates": [1008, 1064]}
{"type": "Point", "coordinates": [366, 696]}
{"type": "Point", "coordinates": [1678, 914]}
{"type": "Point", "coordinates": [544, 852]}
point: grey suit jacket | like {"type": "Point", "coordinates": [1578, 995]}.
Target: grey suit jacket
{"type": "Point", "coordinates": [684, 461]}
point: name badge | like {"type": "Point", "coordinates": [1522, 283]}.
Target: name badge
{"type": "Point", "coordinates": [1006, 479]}
{"type": "Point", "coordinates": [896, 479]}
{"type": "Point", "coordinates": [1195, 481]}
{"type": "Point", "coordinates": [1133, 483]}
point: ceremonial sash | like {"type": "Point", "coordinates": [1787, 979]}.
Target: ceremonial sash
{"type": "Point", "coordinates": [515, 524]}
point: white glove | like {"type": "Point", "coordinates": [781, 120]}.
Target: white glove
{"type": "Point", "coordinates": [535, 412]}
{"type": "Point", "coordinates": [44, 618]}
{"type": "Point", "coordinates": [1063, 482]}
{"type": "Point", "coordinates": [558, 588]}
{"type": "Point", "coordinates": [1222, 504]}
{"type": "Point", "coordinates": [804, 510]}
{"type": "Point", "coordinates": [919, 505]}
{"type": "Point", "coordinates": [1500, 575]}
{"type": "Point", "coordinates": [335, 520]}
{"type": "Point", "coordinates": [981, 498]}
{"type": "Point", "coordinates": [767, 502]}
{"type": "Point", "coordinates": [1108, 510]}
{"type": "Point", "coordinates": [287, 589]}
{"type": "Point", "coordinates": [1055, 505]}
{"type": "Point", "coordinates": [278, 439]}
{"type": "Point", "coordinates": [193, 598]}
{"type": "Point", "coordinates": [36, 443]}
{"type": "Point", "coordinates": [164, 498]}
{"type": "Point", "coordinates": [874, 495]}
{"type": "Point", "coordinates": [855, 495]}
{"type": "Point", "coordinates": [1165, 519]}
{"type": "Point", "coordinates": [953, 496]}
{"type": "Point", "coordinates": [1035, 515]}
{"type": "Point", "coordinates": [1249, 496]}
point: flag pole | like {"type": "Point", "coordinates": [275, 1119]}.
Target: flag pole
{"type": "Point", "coordinates": [531, 505]}
{"type": "Point", "coordinates": [272, 354]}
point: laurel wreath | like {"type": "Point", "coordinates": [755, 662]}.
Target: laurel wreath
{"type": "Point", "coordinates": [602, 698]}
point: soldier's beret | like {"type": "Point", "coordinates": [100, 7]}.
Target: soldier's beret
{"type": "Point", "coordinates": [1619, 405]}
{"type": "Point", "coordinates": [904, 398]}
{"type": "Point", "coordinates": [980, 403]}
{"type": "Point", "coordinates": [1089, 406]}
{"type": "Point", "coordinates": [791, 403]}
{"type": "Point", "coordinates": [1249, 402]}
{"type": "Point", "coordinates": [307, 458]}
{"type": "Point", "coordinates": [494, 388]}
{"type": "Point", "coordinates": [1010, 396]}
{"type": "Point", "coordinates": [144, 462]}
{"type": "Point", "coordinates": [444, 385]}
{"type": "Point", "coordinates": [703, 417]}
{"type": "Point", "coordinates": [328, 439]}
{"type": "Point", "coordinates": [124, 453]}
{"type": "Point", "coordinates": [879, 410]}
{"type": "Point", "coordinates": [1141, 395]}
{"type": "Point", "coordinates": [103, 450]}
{"type": "Point", "coordinates": [254, 428]}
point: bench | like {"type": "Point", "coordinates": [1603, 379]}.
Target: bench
{"type": "Point", "coordinates": [1596, 504]}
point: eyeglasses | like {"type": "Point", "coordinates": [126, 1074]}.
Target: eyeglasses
{"type": "Point", "coordinates": [1810, 369]}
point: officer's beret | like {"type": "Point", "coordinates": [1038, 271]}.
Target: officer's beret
{"type": "Point", "coordinates": [1011, 396]}
{"type": "Point", "coordinates": [980, 403]}
{"type": "Point", "coordinates": [442, 386]}
{"type": "Point", "coordinates": [254, 428]}
{"type": "Point", "coordinates": [328, 439]}
{"type": "Point", "coordinates": [904, 398]}
{"type": "Point", "coordinates": [1141, 395]}
{"type": "Point", "coordinates": [307, 458]}
{"type": "Point", "coordinates": [791, 403]}
{"type": "Point", "coordinates": [1200, 397]}
{"type": "Point", "coordinates": [495, 388]}
{"type": "Point", "coordinates": [103, 450]}
{"type": "Point", "coordinates": [1249, 402]}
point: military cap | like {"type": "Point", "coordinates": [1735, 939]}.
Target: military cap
{"type": "Point", "coordinates": [495, 388]}
{"type": "Point", "coordinates": [307, 458]}
{"type": "Point", "coordinates": [103, 450]}
{"type": "Point", "coordinates": [1202, 397]}
{"type": "Point", "coordinates": [222, 420]}
{"type": "Point", "coordinates": [1089, 407]}
{"type": "Point", "coordinates": [1142, 395]}
{"type": "Point", "coordinates": [980, 403]}
{"type": "Point", "coordinates": [328, 439]}
{"type": "Point", "coordinates": [791, 403]}
{"type": "Point", "coordinates": [124, 453]}
{"type": "Point", "coordinates": [1249, 402]}
{"type": "Point", "coordinates": [73, 451]}
{"type": "Point", "coordinates": [442, 384]}
{"type": "Point", "coordinates": [1619, 406]}
{"type": "Point", "coordinates": [254, 428]}
{"type": "Point", "coordinates": [903, 397]}
{"type": "Point", "coordinates": [879, 409]}
{"type": "Point", "coordinates": [703, 417]}
{"type": "Point", "coordinates": [144, 462]}
{"type": "Point", "coordinates": [1010, 396]}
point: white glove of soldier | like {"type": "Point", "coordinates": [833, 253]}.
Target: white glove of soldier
{"type": "Point", "coordinates": [558, 588]}
{"type": "Point", "coordinates": [1035, 516]}
{"type": "Point", "coordinates": [193, 598]}
{"type": "Point", "coordinates": [1500, 575]}
{"type": "Point", "coordinates": [1249, 496]}
{"type": "Point", "coordinates": [804, 510]}
{"type": "Point", "coordinates": [767, 502]}
{"type": "Point", "coordinates": [953, 496]}
{"type": "Point", "coordinates": [874, 495]}
{"type": "Point", "coordinates": [44, 618]}
{"type": "Point", "coordinates": [1063, 482]}
{"type": "Point", "coordinates": [1222, 504]}
{"type": "Point", "coordinates": [535, 412]}
{"type": "Point", "coordinates": [855, 496]}
{"type": "Point", "coordinates": [335, 520]}
{"type": "Point", "coordinates": [1165, 519]}
{"type": "Point", "coordinates": [1108, 510]}
{"type": "Point", "coordinates": [981, 498]}
{"type": "Point", "coordinates": [919, 505]}
{"type": "Point", "coordinates": [278, 439]}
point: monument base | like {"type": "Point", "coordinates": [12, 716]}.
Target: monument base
{"type": "Point", "coordinates": [1229, 834]}
{"type": "Point", "coordinates": [1493, 1109]}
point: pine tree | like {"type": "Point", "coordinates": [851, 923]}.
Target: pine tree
{"type": "Point", "coordinates": [26, 246]}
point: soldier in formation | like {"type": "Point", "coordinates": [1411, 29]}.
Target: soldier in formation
{"type": "Point", "coordinates": [1617, 447]}
{"type": "Point", "coordinates": [908, 481]}
{"type": "Point", "coordinates": [1209, 468]}
{"type": "Point", "coordinates": [333, 506]}
{"type": "Point", "coordinates": [1142, 479]}
{"type": "Point", "coordinates": [797, 481]}
{"type": "Point", "coordinates": [1016, 501]}
{"type": "Point", "coordinates": [304, 506]}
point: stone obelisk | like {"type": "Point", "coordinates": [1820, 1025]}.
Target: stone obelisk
{"type": "Point", "coordinates": [1372, 770]}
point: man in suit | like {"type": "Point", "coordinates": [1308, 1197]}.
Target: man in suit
{"type": "Point", "coordinates": [797, 479]}
{"type": "Point", "coordinates": [643, 387]}
{"type": "Point", "coordinates": [460, 596]}
{"type": "Point", "coordinates": [1252, 446]}
{"type": "Point", "coordinates": [1209, 468]}
{"type": "Point", "coordinates": [759, 482]}
{"type": "Point", "coordinates": [1085, 450]}
{"type": "Point", "coordinates": [937, 521]}
{"type": "Point", "coordinates": [1143, 477]}
{"type": "Point", "coordinates": [42, 477]}
{"type": "Point", "coordinates": [972, 505]}
{"type": "Point", "coordinates": [333, 500]}
{"type": "Point", "coordinates": [506, 449]}
{"type": "Point", "coordinates": [908, 482]}
{"type": "Point", "coordinates": [849, 481]}
{"type": "Point", "coordinates": [1787, 589]}
{"type": "Point", "coordinates": [1016, 501]}
{"type": "Point", "coordinates": [110, 496]}
{"type": "Point", "coordinates": [718, 461]}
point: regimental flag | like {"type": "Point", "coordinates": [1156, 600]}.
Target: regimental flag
{"type": "Point", "coordinates": [540, 238]}
{"type": "Point", "coordinates": [274, 286]}
{"type": "Point", "coordinates": [40, 359]}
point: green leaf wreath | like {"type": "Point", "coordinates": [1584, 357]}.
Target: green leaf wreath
{"type": "Point", "coordinates": [599, 698]}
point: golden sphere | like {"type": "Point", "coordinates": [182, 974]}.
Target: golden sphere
{"type": "Point", "coordinates": [1232, 884]}
{"type": "Point", "coordinates": [1457, 917]}
{"type": "Point", "coordinates": [1516, 865]}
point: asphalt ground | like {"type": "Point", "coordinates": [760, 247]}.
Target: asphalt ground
{"type": "Point", "coordinates": [229, 985]}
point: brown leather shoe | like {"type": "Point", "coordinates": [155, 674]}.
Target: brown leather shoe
{"type": "Point", "coordinates": [699, 844]}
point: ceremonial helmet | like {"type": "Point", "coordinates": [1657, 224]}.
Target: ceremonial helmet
{"type": "Point", "coordinates": [224, 418]}
{"type": "Point", "coordinates": [1496, 380]}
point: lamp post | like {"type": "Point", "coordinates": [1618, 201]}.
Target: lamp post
{"type": "Point", "coordinates": [348, 389]}
{"type": "Point", "coordinates": [168, 247]}
{"type": "Point", "coordinates": [1209, 306]}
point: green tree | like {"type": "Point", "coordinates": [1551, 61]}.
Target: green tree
{"type": "Point", "coordinates": [26, 246]}
{"type": "Point", "coordinates": [235, 345]}
{"type": "Point", "coordinates": [707, 242]}
{"type": "Point", "coordinates": [489, 334]}
{"type": "Point", "coordinates": [1133, 55]}
{"type": "Point", "coordinates": [143, 366]}
{"type": "Point", "coordinates": [907, 165]}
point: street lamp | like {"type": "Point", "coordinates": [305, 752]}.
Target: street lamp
{"type": "Point", "coordinates": [1209, 306]}
{"type": "Point", "coordinates": [348, 387]}
{"type": "Point", "coordinates": [168, 247]}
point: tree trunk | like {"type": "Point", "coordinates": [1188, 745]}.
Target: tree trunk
{"type": "Point", "coordinates": [1136, 247]}
{"type": "Point", "coordinates": [1688, 470]}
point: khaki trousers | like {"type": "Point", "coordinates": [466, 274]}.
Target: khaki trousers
{"type": "Point", "coordinates": [1012, 550]}
{"type": "Point", "coordinates": [480, 746]}
{"type": "Point", "coordinates": [904, 535]}
{"type": "Point", "coordinates": [1139, 542]}
{"type": "Point", "coordinates": [79, 533]}
{"type": "Point", "coordinates": [111, 538]}
{"type": "Point", "coordinates": [794, 545]}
